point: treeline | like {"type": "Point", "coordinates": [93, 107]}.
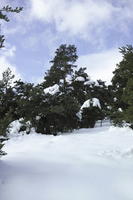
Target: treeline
{"type": "Point", "coordinates": [55, 104]}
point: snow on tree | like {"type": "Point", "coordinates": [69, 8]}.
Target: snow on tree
{"type": "Point", "coordinates": [52, 90]}
{"type": "Point", "coordinates": [90, 112]}
{"type": "Point", "coordinates": [80, 79]}
{"type": "Point", "coordinates": [94, 102]}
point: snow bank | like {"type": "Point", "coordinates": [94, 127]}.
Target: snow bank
{"type": "Point", "coordinates": [15, 126]}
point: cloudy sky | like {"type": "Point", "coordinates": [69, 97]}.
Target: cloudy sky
{"type": "Point", "coordinates": [96, 27]}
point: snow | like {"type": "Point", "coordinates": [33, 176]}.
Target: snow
{"type": "Point", "coordinates": [80, 79]}
{"type": "Point", "coordinates": [90, 82]}
{"type": "Point", "coordinates": [14, 127]}
{"type": "Point", "coordinates": [52, 90]}
{"type": "Point", "coordinates": [68, 79]}
{"type": "Point", "coordinates": [115, 99]}
{"type": "Point", "coordinates": [94, 102]}
{"type": "Point", "coordinates": [93, 164]}
{"type": "Point", "coordinates": [120, 110]}
{"type": "Point", "coordinates": [38, 118]}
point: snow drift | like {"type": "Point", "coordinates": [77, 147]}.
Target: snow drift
{"type": "Point", "coordinates": [88, 164]}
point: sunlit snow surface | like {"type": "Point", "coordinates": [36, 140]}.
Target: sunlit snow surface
{"type": "Point", "coordinates": [90, 164]}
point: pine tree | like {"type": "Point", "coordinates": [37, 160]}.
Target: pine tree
{"type": "Point", "coordinates": [5, 120]}
{"type": "Point", "coordinates": [122, 87]}
{"type": "Point", "coordinates": [62, 65]}
{"type": "Point", "coordinates": [6, 101]}
{"type": "Point", "coordinates": [62, 106]}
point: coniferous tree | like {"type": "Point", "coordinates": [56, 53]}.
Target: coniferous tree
{"type": "Point", "coordinates": [3, 16]}
{"type": "Point", "coordinates": [7, 103]}
{"type": "Point", "coordinates": [63, 105]}
{"type": "Point", "coordinates": [122, 87]}
{"type": "Point", "coordinates": [62, 65]}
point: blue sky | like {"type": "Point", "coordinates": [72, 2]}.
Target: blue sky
{"type": "Point", "coordinates": [97, 28]}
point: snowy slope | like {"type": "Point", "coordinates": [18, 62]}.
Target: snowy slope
{"type": "Point", "coordinates": [90, 164]}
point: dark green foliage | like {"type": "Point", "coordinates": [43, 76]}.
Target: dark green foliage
{"type": "Point", "coordinates": [52, 113]}
{"type": "Point", "coordinates": [62, 107]}
{"type": "Point", "coordinates": [117, 117]}
{"type": "Point", "coordinates": [6, 92]}
{"type": "Point", "coordinates": [80, 90]}
{"type": "Point", "coordinates": [62, 65]}
{"type": "Point", "coordinates": [122, 74]}
{"type": "Point", "coordinates": [4, 123]}
{"type": "Point", "coordinates": [7, 101]}
{"type": "Point", "coordinates": [2, 153]}
{"type": "Point", "coordinates": [2, 139]}
{"type": "Point", "coordinates": [123, 87]}
{"type": "Point", "coordinates": [128, 99]}
{"type": "Point", "coordinates": [104, 94]}
{"type": "Point", "coordinates": [2, 39]}
{"type": "Point", "coordinates": [90, 116]}
{"type": "Point", "coordinates": [60, 115]}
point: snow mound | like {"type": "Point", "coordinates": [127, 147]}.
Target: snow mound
{"type": "Point", "coordinates": [52, 90]}
{"type": "Point", "coordinates": [14, 127]}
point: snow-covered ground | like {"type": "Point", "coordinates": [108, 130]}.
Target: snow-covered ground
{"type": "Point", "coordinates": [89, 164]}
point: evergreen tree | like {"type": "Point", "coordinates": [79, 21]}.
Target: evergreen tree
{"type": "Point", "coordinates": [62, 65]}
{"type": "Point", "coordinates": [122, 87]}
{"type": "Point", "coordinates": [62, 106]}
{"type": "Point", "coordinates": [128, 99]}
{"type": "Point", "coordinates": [5, 120]}
{"type": "Point", "coordinates": [7, 103]}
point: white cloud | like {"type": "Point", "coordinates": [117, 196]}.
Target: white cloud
{"type": "Point", "coordinates": [9, 51]}
{"type": "Point", "coordinates": [75, 17]}
{"type": "Point", "coordinates": [83, 17]}
{"type": "Point", "coordinates": [101, 65]}
{"type": "Point", "coordinates": [5, 54]}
